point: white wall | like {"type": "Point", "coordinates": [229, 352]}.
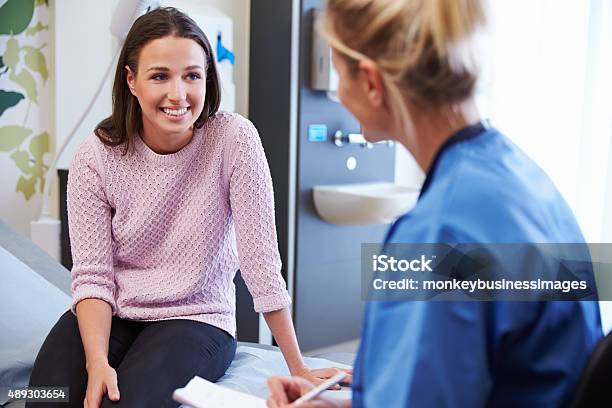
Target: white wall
{"type": "Point", "coordinates": [84, 48]}
{"type": "Point", "coordinates": [407, 171]}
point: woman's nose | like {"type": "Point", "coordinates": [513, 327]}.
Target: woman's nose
{"type": "Point", "coordinates": [177, 91]}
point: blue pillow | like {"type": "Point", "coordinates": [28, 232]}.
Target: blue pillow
{"type": "Point", "coordinates": [29, 307]}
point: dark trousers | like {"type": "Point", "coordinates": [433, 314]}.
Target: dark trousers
{"type": "Point", "coordinates": [152, 359]}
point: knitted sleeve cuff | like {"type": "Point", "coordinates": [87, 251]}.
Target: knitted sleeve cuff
{"type": "Point", "coordinates": [92, 291]}
{"type": "Point", "coordinates": [272, 302]}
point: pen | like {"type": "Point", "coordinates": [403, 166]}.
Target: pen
{"type": "Point", "coordinates": [320, 388]}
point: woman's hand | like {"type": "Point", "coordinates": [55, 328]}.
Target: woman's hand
{"type": "Point", "coordinates": [285, 390]}
{"type": "Point", "coordinates": [319, 375]}
{"type": "Point", "coordinates": [101, 379]}
{"type": "Point", "coordinates": [282, 328]}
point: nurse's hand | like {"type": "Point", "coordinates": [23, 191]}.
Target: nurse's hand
{"type": "Point", "coordinates": [285, 390]}
{"type": "Point", "coordinates": [319, 375]}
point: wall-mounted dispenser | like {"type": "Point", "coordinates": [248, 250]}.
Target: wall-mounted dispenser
{"type": "Point", "coordinates": [323, 75]}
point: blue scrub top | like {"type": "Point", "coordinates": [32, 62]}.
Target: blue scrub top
{"type": "Point", "coordinates": [480, 189]}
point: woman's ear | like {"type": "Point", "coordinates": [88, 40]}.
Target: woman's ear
{"type": "Point", "coordinates": [131, 80]}
{"type": "Point", "coordinates": [372, 82]}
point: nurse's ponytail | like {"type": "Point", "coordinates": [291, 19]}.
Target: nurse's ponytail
{"type": "Point", "coordinates": [451, 22]}
{"type": "Point", "coordinates": [425, 49]}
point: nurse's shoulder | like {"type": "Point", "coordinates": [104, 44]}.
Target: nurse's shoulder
{"type": "Point", "coordinates": [490, 191]}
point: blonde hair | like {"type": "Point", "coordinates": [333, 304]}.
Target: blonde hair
{"type": "Point", "coordinates": [423, 48]}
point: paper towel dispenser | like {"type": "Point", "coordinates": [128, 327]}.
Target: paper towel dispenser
{"type": "Point", "coordinates": [323, 76]}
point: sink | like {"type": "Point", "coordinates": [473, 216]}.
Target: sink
{"type": "Point", "coordinates": [363, 203]}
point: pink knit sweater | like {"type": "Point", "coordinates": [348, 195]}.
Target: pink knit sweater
{"type": "Point", "coordinates": [161, 236]}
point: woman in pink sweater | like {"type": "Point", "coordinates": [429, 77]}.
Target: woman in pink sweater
{"type": "Point", "coordinates": [166, 200]}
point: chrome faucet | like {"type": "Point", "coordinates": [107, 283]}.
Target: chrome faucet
{"type": "Point", "coordinates": [340, 139]}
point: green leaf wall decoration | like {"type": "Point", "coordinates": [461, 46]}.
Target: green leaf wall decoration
{"type": "Point", "coordinates": [35, 60]}
{"type": "Point", "coordinates": [11, 54]}
{"type": "Point", "coordinates": [8, 99]}
{"type": "Point", "coordinates": [36, 29]}
{"type": "Point", "coordinates": [25, 80]}
{"type": "Point", "coordinates": [22, 62]}
{"type": "Point", "coordinates": [33, 165]}
{"type": "Point", "coordinates": [12, 136]}
{"type": "Point", "coordinates": [27, 186]}
{"type": "Point", "coordinates": [15, 16]}
{"type": "Point", "coordinates": [22, 160]}
{"type": "Point", "coordinates": [39, 146]}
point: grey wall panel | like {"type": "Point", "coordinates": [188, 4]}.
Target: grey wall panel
{"type": "Point", "coordinates": [269, 99]}
{"type": "Point", "coordinates": [328, 306]}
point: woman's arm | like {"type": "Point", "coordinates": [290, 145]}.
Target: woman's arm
{"type": "Point", "coordinates": [281, 326]}
{"type": "Point", "coordinates": [252, 206]}
{"type": "Point", "coordinates": [94, 316]}
{"type": "Point", "coordinates": [89, 222]}
{"type": "Point", "coordinates": [93, 286]}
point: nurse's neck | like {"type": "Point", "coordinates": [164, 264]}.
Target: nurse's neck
{"type": "Point", "coordinates": [431, 128]}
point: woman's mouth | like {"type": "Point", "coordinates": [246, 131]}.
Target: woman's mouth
{"type": "Point", "coordinates": [175, 113]}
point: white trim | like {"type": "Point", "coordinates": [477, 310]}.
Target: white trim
{"type": "Point", "coordinates": [265, 335]}
{"type": "Point", "coordinates": [293, 144]}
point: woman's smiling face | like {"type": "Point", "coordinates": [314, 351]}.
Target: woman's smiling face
{"type": "Point", "coordinates": [170, 86]}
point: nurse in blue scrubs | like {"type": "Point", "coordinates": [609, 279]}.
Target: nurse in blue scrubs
{"type": "Point", "coordinates": [408, 72]}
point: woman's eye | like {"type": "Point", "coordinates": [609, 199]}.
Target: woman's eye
{"type": "Point", "coordinates": [193, 76]}
{"type": "Point", "coordinates": [159, 77]}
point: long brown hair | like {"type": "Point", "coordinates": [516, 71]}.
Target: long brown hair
{"type": "Point", "coordinates": [126, 119]}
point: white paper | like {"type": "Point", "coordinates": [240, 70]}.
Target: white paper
{"type": "Point", "coordinates": [200, 393]}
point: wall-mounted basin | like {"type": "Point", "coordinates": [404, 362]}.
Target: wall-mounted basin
{"type": "Point", "coordinates": [363, 203]}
